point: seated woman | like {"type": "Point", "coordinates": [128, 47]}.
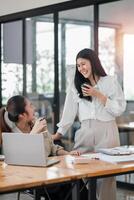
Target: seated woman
{"type": "Point", "coordinates": [19, 117]}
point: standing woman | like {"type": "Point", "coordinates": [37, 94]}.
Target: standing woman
{"type": "Point", "coordinates": [97, 99]}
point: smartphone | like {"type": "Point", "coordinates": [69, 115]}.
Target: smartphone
{"type": "Point", "coordinates": [84, 85]}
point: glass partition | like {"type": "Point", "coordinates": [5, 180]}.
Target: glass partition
{"type": "Point", "coordinates": [41, 83]}
{"type": "Point", "coordinates": [116, 45]}
{"type": "Point", "coordinates": [76, 33]}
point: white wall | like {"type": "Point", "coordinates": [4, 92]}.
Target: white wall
{"type": "Point", "coordinates": [13, 6]}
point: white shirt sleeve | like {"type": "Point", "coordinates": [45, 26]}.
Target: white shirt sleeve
{"type": "Point", "coordinates": [69, 112]}
{"type": "Point", "coordinates": [116, 103]}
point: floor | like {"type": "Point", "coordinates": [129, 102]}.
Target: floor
{"type": "Point", "coordinates": [121, 195]}
{"type": "Point", "coordinates": [125, 194]}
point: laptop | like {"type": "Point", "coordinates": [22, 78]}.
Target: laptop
{"type": "Point", "coordinates": [25, 149]}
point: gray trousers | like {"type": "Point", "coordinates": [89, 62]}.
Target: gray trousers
{"type": "Point", "coordinates": [94, 134]}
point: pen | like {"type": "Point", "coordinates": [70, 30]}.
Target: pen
{"type": "Point", "coordinates": [96, 158]}
{"type": "Point", "coordinates": [42, 118]}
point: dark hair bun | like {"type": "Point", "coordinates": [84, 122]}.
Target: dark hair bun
{"type": "Point", "coordinates": [13, 118]}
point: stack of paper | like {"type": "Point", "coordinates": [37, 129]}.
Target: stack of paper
{"type": "Point", "coordinates": [116, 151]}
{"type": "Point", "coordinates": [117, 154]}
{"type": "Point", "coordinates": [116, 159]}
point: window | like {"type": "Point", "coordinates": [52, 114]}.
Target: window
{"type": "Point", "coordinates": [128, 82]}
{"type": "Point", "coordinates": [107, 49]}
{"type": "Point", "coordinates": [45, 57]}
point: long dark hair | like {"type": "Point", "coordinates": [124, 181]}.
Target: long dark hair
{"type": "Point", "coordinates": [97, 69]}
{"type": "Point", "coordinates": [15, 107]}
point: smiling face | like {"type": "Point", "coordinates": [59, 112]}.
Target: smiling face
{"type": "Point", "coordinates": [29, 111]}
{"type": "Point", "coordinates": [84, 67]}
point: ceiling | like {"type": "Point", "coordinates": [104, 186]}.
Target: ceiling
{"type": "Point", "coordinates": [120, 14]}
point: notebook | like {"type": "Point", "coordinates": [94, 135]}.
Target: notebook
{"type": "Point", "coordinates": [25, 149]}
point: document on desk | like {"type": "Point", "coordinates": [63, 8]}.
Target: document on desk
{"type": "Point", "coordinates": [117, 154]}
{"type": "Point", "coordinates": [112, 155]}
{"type": "Point", "coordinates": [116, 159]}
{"type": "Point", "coordinates": [117, 151]}
{"type": "Point", "coordinates": [85, 158]}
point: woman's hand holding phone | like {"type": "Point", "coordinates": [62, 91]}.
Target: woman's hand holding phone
{"type": "Point", "coordinates": [88, 90]}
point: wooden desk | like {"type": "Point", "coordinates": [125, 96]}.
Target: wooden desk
{"type": "Point", "coordinates": [126, 127]}
{"type": "Point", "coordinates": [15, 178]}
